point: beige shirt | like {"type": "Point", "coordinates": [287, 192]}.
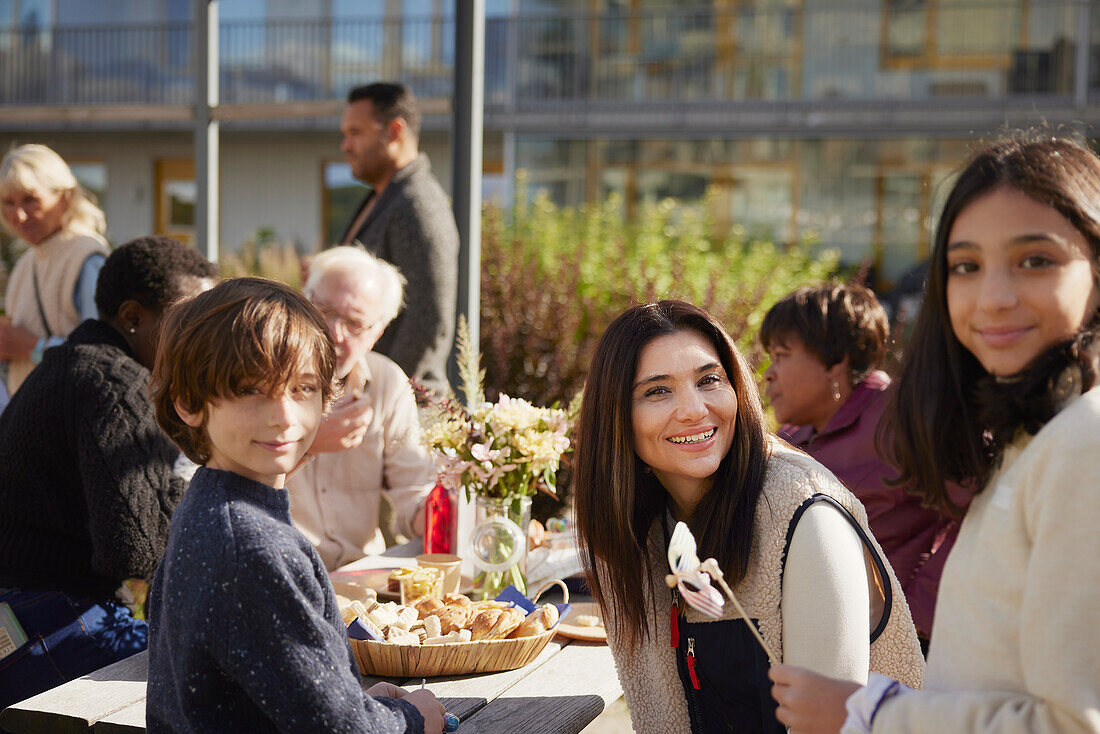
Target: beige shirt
{"type": "Point", "coordinates": [1016, 644]}
{"type": "Point", "coordinates": [334, 499]}
{"type": "Point", "coordinates": [57, 262]}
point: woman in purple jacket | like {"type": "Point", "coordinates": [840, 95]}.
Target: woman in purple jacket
{"type": "Point", "coordinates": [826, 345]}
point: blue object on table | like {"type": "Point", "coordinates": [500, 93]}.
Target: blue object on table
{"type": "Point", "coordinates": [450, 722]}
{"type": "Point", "coordinates": [516, 597]}
{"type": "Point", "coordinates": [358, 631]}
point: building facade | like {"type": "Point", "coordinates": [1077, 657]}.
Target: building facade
{"type": "Point", "coordinates": [837, 121]}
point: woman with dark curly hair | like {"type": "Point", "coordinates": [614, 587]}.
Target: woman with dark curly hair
{"type": "Point", "coordinates": [1000, 391]}
{"type": "Point", "coordinates": [824, 383]}
{"type": "Point", "coordinates": [87, 481]}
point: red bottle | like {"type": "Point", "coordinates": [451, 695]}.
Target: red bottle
{"type": "Point", "coordinates": [439, 521]}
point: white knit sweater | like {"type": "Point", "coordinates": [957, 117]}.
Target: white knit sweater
{"type": "Point", "coordinates": [1016, 645]}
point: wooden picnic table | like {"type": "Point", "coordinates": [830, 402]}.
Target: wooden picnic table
{"type": "Point", "coordinates": [567, 686]}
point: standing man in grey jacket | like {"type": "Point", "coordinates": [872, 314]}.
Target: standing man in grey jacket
{"type": "Point", "coordinates": [405, 219]}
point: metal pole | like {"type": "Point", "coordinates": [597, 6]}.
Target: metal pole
{"type": "Point", "coordinates": [469, 102]}
{"type": "Point", "coordinates": [1081, 62]}
{"type": "Point", "coordinates": [205, 55]}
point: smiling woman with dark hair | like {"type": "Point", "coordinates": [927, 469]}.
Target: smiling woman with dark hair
{"type": "Point", "coordinates": [671, 429]}
{"type": "Point", "coordinates": [86, 476]}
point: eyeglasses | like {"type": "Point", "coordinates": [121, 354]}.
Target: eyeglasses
{"type": "Point", "coordinates": [352, 327]}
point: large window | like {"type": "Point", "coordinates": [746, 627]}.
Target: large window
{"type": "Point", "coordinates": [955, 34]}
{"type": "Point", "coordinates": [702, 50]}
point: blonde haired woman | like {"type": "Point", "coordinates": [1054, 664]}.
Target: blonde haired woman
{"type": "Point", "coordinates": [52, 286]}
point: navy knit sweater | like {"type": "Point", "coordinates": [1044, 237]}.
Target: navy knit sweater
{"type": "Point", "coordinates": [86, 482]}
{"type": "Point", "coordinates": [244, 631]}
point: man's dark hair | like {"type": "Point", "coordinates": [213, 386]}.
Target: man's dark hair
{"type": "Point", "coordinates": [147, 270]}
{"type": "Point", "coordinates": [390, 100]}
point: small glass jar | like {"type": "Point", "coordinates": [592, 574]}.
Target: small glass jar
{"type": "Point", "coordinates": [498, 544]}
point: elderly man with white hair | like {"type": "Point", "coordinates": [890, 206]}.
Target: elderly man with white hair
{"type": "Point", "coordinates": [371, 445]}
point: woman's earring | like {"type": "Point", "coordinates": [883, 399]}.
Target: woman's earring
{"type": "Point", "coordinates": [836, 391]}
{"type": "Point", "coordinates": [647, 469]}
{"type": "Point", "coordinates": [133, 329]}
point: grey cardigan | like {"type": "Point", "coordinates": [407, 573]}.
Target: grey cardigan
{"type": "Point", "coordinates": [413, 227]}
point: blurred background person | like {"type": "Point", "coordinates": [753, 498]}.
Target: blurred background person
{"type": "Point", "coordinates": [826, 345]}
{"type": "Point", "coordinates": [406, 220]}
{"type": "Point", "coordinates": [371, 445]}
{"type": "Point", "coordinates": [52, 286]}
{"type": "Point", "coordinates": [87, 485]}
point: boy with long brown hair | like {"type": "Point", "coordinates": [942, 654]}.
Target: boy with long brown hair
{"type": "Point", "coordinates": [245, 634]}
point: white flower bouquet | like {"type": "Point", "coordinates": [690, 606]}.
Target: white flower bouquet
{"type": "Point", "coordinates": [504, 449]}
{"type": "Point", "coordinates": [499, 454]}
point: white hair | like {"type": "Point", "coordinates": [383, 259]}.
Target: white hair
{"type": "Point", "coordinates": [38, 168]}
{"type": "Point", "coordinates": [375, 277]}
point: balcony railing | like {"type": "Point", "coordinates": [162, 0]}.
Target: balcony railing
{"type": "Point", "coordinates": [782, 52]}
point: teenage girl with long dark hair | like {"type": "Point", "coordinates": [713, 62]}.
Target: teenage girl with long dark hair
{"type": "Point", "coordinates": [999, 389]}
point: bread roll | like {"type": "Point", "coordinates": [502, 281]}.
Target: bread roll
{"type": "Point", "coordinates": [459, 599]}
{"type": "Point", "coordinates": [427, 605]}
{"type": "Point", "coordinates": [508, 621]}
{"type": "Point", "coordinates": [484, 621]}
{"type": "Point", "coordinates": [537, 622]}
{"type": "Point", "coordinates": [453, 617]}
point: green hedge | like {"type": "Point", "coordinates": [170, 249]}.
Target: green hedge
{"type": "Point", "coordinates": [552, 278]}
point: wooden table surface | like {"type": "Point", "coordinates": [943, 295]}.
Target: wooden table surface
{"type": "Point", "coordinates": [567, 686]}
{"type": "Point", "coordinates": [560, 692]}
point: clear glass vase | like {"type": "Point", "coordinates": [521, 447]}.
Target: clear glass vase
{"type": "Point", "coordinates": [498, 544]}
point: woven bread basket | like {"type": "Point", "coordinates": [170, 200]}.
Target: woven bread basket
{"type": "Point", "coordinates": [391, 660]}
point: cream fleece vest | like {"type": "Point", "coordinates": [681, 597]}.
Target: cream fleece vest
{"type": "Point", "coordinates": [57, 261]}
{"type": "Point", "coordinates": [648, 673]}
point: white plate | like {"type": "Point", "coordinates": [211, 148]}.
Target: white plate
{"type": "Point", "coordinates": [352, 583]}
{"type": "Point", "coordinates": [567, 628]}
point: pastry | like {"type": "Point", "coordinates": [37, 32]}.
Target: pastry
{"type": "Point", "coordinates": [537, 622]}
{"type": "Point", "coordinates": [484, 623]}
{"type": "Point", "coordinates": [453, 618]}
{"type": "Point", "coordinates": [383, 615]}
{"type": "Point", "coordinates": [508, 621]}
{"type": "Point", "coordinates": [406, 616]}
{"type": "Point", "coordinates": [460, 599]}
{"type": "Point", "coordinates": [427, 605]}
